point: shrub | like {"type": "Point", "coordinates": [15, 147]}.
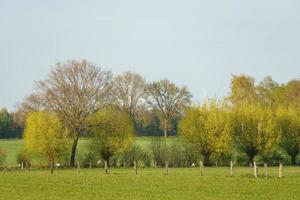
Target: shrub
{"type": "Point", "coordinates": [135, 153]}
{"type": "Point", "coordinates": [145, 159]}
{"type": "Point", "coordinates": [274, 158]}
{"type": "Point", "coordinates": [176, 154]}
{"type": "Point", "coordinates": [89, 157]}
{"type": "Point", "coordinates": [223, 159]}
{"type": "Point", "coordinates": [189, 154]}
{"type": "Point", "coordinates": [242, 159]}
{"type": "Point", "coordinates": [159, 151]}
{"type": "Point", "coordinates": [24, 157]}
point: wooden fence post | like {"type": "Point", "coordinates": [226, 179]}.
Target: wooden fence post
{"type": "Point", "coordinates": [201, 168]}
{"type": "Point", "coordinates": [105, 167]}
{"type": "Point", "coordinates": [90, 165]}
{"type": "Point", "coordinates": [135, 167]}
{"type": "Point", "coordinates": [266, 169]}
{"type": "Point", "coordinates": [280, 170]}
{"type": "Point", "coordinates": [167, 167]}
{"type": "Point", "coordinates": [22, 166]}
{"type": "Point", "coordinates": [255, 169]}
{"type": "Point", "coordinates": [231, 168]}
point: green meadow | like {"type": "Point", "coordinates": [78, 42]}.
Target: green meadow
{"type": "Point", "coordinates": [13, 146]}
{"type": "Point", "coordinates": [149, 183]}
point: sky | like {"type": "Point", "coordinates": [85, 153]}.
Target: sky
{"type": "Point", "coordinates": [195, 43]}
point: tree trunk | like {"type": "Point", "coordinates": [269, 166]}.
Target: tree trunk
{"type": "Point", "coordinates": [165, 128]}
{"type": "Point", "coordinates": [293, 159]}
{"type": "Point", "coordinates": [51, 165]}
{"type": "Point", "coordinates": [251, 159]}
{"type": "Point", "coordinates": [206, 159]}
{"type": "Point", "coordinates": [73, 153]}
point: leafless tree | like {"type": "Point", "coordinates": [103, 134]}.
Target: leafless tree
{"type": "Point", "coordinates": [74, 90]}
{"type": "Point", "coordinates": [30, 103]}
{"type": "Point", "coordinates": [129, 92]}
{"type": "Point", "coordinates": [169, 99]}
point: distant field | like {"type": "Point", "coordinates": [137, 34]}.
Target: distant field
{"type": "Point", "coordinates": [150, 184]}
{"type": "Point", "coordinates": [13, 146]}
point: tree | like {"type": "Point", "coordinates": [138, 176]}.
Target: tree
{"type": "Point", "coordinates": [112, 130]}
{"type": "Point", "coordinates": [75, 90]}
{"type": "Point", "coordinates": [129, 91]}
{"type": "Point", "coordinates": [266, 91]}
{"type": "Point", "coordinates": [10, 126]}
{"type": "Point", "coordinates": [242, 90]}
{"type": "Point", "coordinates": [6, 124]}
{"type": "Point", "coordinates": [169, 99]}
{"type": "Point", "coordinates": [292, 93]}
{"type": "Point", "coordinates": [30, 103]}
{"type": "Point", "coordinates": [148, 123]}
{"type": "Point", "coordinates": [207, 128]}
{"type": "Point", "coordinates": [253, 129]}
{"type": "Point", "coordinates": [44, 134]}
{"type": "Point", "coordinates": [288, 124]}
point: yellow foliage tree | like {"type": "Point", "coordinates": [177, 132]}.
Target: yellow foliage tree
{"type": "Point", "coordinates": [112, 130]}
{"type": "Point", "coordinates": [254, 129]}
{"type": "Point", "coordinates": [44, 134]}
{"type": "Point", "coordinates": [288, 124]}
{"type": "Point", "coordinates": [207, 128]}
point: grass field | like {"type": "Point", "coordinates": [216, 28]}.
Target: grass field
{"type": "Point", "coordinates": [13, 146]}
{"type": "Point", "coordinates": [149, 184]}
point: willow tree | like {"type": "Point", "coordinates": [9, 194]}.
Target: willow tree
{"type": "Point", "coordinates": [44, 134]}
{"type": "Point", "coordinates": [74, 90]}
{"type": "Point", "coordinates": [169, 99]}
{"type": "Point", "coordinates": [254, 130]}
{"type": "Point", "coordinates": [207, 127]}
{"type": "Point", "coordinates": [288, 124]}
{"type": "Point", "coordinates": [112, 130]}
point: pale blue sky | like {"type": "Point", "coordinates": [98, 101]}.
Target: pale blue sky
{"type": "Point", "coordinates": [196, 43]}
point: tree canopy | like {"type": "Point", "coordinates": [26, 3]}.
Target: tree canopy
{"type": "Point", "coordinates": [169, 99]}
{"type": "Point", "coordinates": [74, 90]}
{"type": "Point", "coordinates": [288, 124]}
{"type": "Point", "coordinates": [44, 134]}
{"type": "Point", "coordinates": [207, 128]}
{"type": "Point", "coordinates": [112, 130]}
{"type": "Point", "coordinates": [253, 129]}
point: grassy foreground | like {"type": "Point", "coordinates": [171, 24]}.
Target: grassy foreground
{"type": "Point", "coordinates": [149, 184]}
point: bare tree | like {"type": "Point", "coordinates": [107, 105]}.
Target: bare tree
{"type": "Point", "coordinates": [30, 103]}
{"type": "Point", "coordinates": [169, 99]}
{"type": "Point", "coordinates": [129, 92]}
{"type": "Point", "coordinates": [74, 90]}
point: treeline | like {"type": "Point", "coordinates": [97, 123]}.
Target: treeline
{"type": "Point", "coordinates": [255, 120]}
{"type": "Point", "coordinates": [77, 91]}
{"type": "Point", "coordinates": [10, 126]}
{"type": "Point", "coordinates": [81, 99]}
